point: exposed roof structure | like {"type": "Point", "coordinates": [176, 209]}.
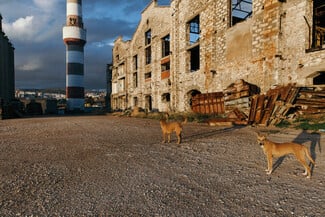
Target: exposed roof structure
{"type": "Point", "coordinates": [241, 8]}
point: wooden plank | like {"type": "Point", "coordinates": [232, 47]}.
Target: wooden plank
{"type": "Point", "coordinates": [253, 108]}
{"type": "Point", "coordinates": [259, 109]}
{"type": "Point", "coordinates": [209, 103]}
{"type": "Point", "coordinates": [269, 107]}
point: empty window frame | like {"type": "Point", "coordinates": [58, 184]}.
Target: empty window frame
{"type": "Point", "coordinates": [319, 79]}
{"type": "Point", "coordinates": [165, 46]}
{"type": "Point", "coordinates": [148, 55]}
{"type": "Point", "coordinates": [148, 103]}
{"type": "Point", "coordinates": [135, 101]}
{"type": "Point", "coordinates": [165, 66]}
{"type": "Point", "coordinates": [165, 97]}
{"type": "Point", "coordinates": [135, 79]}
{"type": "Point", "coordinates": [194, 54]}
{"type": "Point", "coordinates": [240, 10]}
{"type": "Point", "coordinates": [318, 24]}
{"type": "Point", "coordinates": [147, 76]}
{"type": "Point", "coordinates": [135, 62]}
{"type": "Point", "coordinates": [193, 27]}
{"type": "Point", "coordinates": [148, 37]}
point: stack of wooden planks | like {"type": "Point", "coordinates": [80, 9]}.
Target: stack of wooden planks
{"type": "Point", "coordinates": [208, 103]}
{"type": "Point", "coordinates": [271, 108]}
{"type": "Point", "coordinates": [311, 101]}
{"type": "Point", "coordinates": [281, 102]}
{"type": "Point", "coordinates": [237, 95]}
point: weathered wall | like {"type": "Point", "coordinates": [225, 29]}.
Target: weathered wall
{"type": "Point", "coordinates": [268, 49]}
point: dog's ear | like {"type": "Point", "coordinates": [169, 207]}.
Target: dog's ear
{"type": "Point", "coordinates": [260, 137]}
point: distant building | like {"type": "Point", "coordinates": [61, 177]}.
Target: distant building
{"type": "Point", "coordinates": [203, 46]}
{"type": "Point", "coordinates": [7, 69]}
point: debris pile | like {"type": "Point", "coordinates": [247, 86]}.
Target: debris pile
{"type": "Point", "coordinates": [208, 103]}
{"type": "Point", "coordinates": [272, 107]}
{"type": "Point", "coordinates": [311, 101]}
{"type": "Point", "coordinates": [237, 96]}
{"type": "Point", "coordinates": [285, 102]}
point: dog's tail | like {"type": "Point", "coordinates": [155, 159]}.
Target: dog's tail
{"type": "Point", "coordinates": [185, 121]}
{"type": "Point", "coordinates": [308, 156]}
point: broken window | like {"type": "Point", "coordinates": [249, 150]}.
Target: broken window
{"type": "Point", "coordinates": [165, 97]}
{"type": "Point", "coordinates": [240, 10]}
{"type": "Point", "coordinates": [135, 101]}
{"type": "Point", "coordinates": [135, 79]}
{"type": "Point", "coordinates": [165, 46]}
{"type": "Point", "coordinates": [148, 103]}
{"type": "Point", "coordinates": [318, 24]}
{"type": "Point", "coordinates": [194, 54]}
{"type": "Point", "coordinates": [165, 66]}
{"type": "Point", "coordinates": [135, 62]}
{"type": "Point", "coordinates": [147, 76]}
{"type": "Point", "coordinates": [148, 55]}
{"type": "Point", "coordinates": [194, 30]}
{"type": "Point", "coordinates": [148, 37]}
{"type": "Point", "coordinates": [320, 79]}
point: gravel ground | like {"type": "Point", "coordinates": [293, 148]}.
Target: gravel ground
{"type": "Point", "coordinates": [117, 166]}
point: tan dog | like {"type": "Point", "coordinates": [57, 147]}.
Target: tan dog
{"type": "Point", "coordinates": [280, 149]}
{"type": "Point", "coordinates": [169, 127]}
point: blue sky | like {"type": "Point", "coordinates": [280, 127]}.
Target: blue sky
{"type": "Point", "coordinates": [35, 29]}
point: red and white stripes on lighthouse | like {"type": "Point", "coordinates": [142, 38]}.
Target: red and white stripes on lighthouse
{"type": "Point", "coordinates": [74, 36]}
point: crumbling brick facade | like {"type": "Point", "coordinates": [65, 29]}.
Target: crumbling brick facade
{"type": "Point", "coordinates": [210, 47]}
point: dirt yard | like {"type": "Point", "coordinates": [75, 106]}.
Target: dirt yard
{"type": "Point", "coordinates": [113, 166]}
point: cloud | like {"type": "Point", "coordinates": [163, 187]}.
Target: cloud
{"type": "Point", "coordinates": [20, 29]}
{"type": "Point", "coordinates": [31, 65]}
{"type": "Point", "coordinates": [46, 5]}
{"type": "Point", "coordinates": [35, 29]}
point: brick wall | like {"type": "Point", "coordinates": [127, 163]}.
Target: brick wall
{"type": "Point", "coordinates": [270, 48]}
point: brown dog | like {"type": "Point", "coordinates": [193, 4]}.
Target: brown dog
{"type": "Point", "coordinates": [169, 127]}
{"type": "Point", "coordinates": [280, 149]}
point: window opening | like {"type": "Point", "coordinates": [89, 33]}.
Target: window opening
{"type": "Point", "coordinates": [147, 76]}
{"type": "Point", "coordinates": [319, 24]}
{"type": "Point", "coordinates": [135, 79]}
{"type": "Point", "coordinates": [194, 58]}
{"type": "Point", "coordinates": [320, 79]}
{"type": "Point", "coordinates": [240, 10]}
{"type": "Point", "coordinates": [148, 37]}
{"type": "Point", "coordinates": [148, 55]}
{"type": "Point", "coordinates": [135, 101]}
{"type": "Point", "coordinates": [165, 46]}
{"type": "Point", "coordinates": [135, 62]}
{"type": "Point", "coordinates": [148, 103]}
{"type": "Point", "coordinates": [165, 97]}
{"type": "Point", "coordinates": [165, 66]}
{"type": "Point", "coordinates": [194, 29]}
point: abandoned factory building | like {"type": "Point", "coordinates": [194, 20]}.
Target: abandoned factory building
{"type": "Point", "coordinates": [203, 46]}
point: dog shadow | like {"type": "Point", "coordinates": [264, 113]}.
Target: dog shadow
{"type": "Point", "coordinates": [278, 162]}
{"type": "Point", "coordinates": [213, 132]}
{"type": "Point", "coordinates": [313, 138]}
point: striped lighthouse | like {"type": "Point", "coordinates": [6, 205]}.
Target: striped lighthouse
{"type": "Point", "coordinates": [74, 37]}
